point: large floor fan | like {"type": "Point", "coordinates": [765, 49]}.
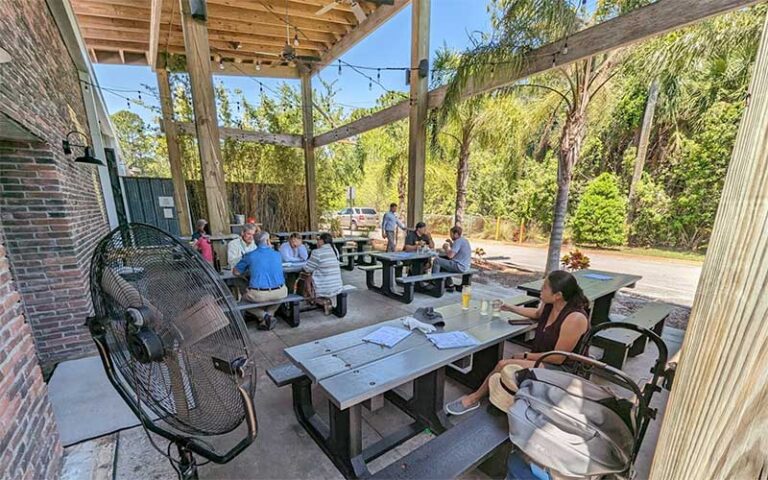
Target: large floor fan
{"type": "Point", "coordinates": [172, 344]}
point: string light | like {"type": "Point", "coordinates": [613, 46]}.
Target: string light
{"type": "Point", "coordinates": [554, 60]}
{"type": "Point", "coordinates": [296, 42]}
{"type": "Point", "coordinates": [258, 65]}
{"type": "Point", "coordinates": [339, 67]}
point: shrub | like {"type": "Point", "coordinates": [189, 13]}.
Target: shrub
{"type": "Point", "coordinates": [601, 213]}
{"type": "Point", "coordinates": [575, 260]}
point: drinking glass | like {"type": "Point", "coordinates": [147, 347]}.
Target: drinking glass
{"type": "Point", "coordinates": [496, 307]}
{"type": "Point", "coordinates": [484, 307]}
{"type": "Point", "coordinates": [466, 296]}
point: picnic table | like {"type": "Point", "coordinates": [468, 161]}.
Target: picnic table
{"type": "Point", "coordinates": [352, 372]}
{"type": "Point", "coordinates": [283, 236]}
{"type": "Point", "coordinates": [361, 242]}
{"type": "Point", "coordinates": [392, 268]}
{"type": "Point", "coordinates": [227, 276]}
{"type": "Point", "coordinates": [599, 287]}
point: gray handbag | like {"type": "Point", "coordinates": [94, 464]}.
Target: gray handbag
{"type": "Point", "coordinates": [570, 425]}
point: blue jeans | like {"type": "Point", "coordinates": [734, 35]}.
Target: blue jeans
{"type": "Point", "coordinates": [519, 469]}
{"type": "Point", "coordinates": [446, 265]}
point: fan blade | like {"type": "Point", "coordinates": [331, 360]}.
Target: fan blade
{"type": "Point", "coordinates": [305, 58]}
{"type": "Point", "coordinates": [267, 54]}
{"type": "Point", "coordinates": [359, 12]}
{"type": "Point", "coordinates": [326, 9]}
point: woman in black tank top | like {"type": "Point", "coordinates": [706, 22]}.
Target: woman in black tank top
{"type": "Point", "coordinates": [563, 320]}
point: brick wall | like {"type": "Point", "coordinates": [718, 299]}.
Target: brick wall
{"type": "Point", "coordinates": [51, 209]}
{"type": "Point", "coordinates": [29, 443]}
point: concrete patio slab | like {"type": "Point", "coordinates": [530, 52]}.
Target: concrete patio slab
{"type": "Point", "coordinates": [85, 404]}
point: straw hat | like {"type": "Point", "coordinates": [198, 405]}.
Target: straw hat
{"type": "Point", "coordinates": [503, 387]}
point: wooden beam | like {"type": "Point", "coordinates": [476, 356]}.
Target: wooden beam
{"type": "Point", "coordinates": [716, 421]}
{"type": "Point", "coordinates": [154, 31]}
{"type": "Point", "coordinates": [309, 148]}
{"type": "Point", "coordinates": [174, 153]}
{"type": "Point", "coordinates": [374, 21]}
{"type": "Point", "coordinates": [296, 10]}
{"type": "Point", "coordinates": [204, 105]}
{"type": "Point", "coordinates": [281, 139]}
{"type": "Point", "coordinates": [417, 122]}
{"type": "Point", "coordinates": [641, 24]}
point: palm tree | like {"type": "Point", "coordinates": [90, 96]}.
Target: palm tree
{"type": "Point", "coordinates": [522, 25]}
{"type": "Point", "coordinates": [465, 125]}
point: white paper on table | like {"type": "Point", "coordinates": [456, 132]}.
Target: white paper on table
{"type": "Point", "coordinates": [387, 336]}
{"type": "Point", "coordinates": [597, 276]}
{"type": "Point", "coordinates": [452, 340]}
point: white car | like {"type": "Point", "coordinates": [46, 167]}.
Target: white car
{"type": "Point", "coordinates": [358, 217]}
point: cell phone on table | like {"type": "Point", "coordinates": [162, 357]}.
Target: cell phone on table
{"type": "Point", "coordinates": [519, 321]}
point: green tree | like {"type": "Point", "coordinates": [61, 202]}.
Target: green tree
{"type": "Point", "coordinates": [139, 145]}
{"type": "Point", "coordinates": [601, 213]}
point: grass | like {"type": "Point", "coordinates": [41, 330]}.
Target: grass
{"type": "Point", "coordinates": [661, 253]}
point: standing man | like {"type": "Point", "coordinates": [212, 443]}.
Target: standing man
{"type": "Point", "coordinates": [240, 246]}
{"type": "Point", "coordinates": [458, 254]}
{"type": "Point", "coordinates": [266, 281]}
{"type": "Point", "coordinates": [389, 224]}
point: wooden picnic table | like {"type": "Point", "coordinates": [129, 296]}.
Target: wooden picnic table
{"type": "Point", "coordinates": [392, 268]}
{"type": "Point", "coordinates": [340, 241]}
{"type": "Point", "coordinates": [351, 372]}
{"type": "Point", "coordinates": [599, 287]}
{"type": "Point", "coordinates": [227, 276]}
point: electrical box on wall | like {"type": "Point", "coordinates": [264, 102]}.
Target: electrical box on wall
{"type": "Point", "coordinates": [198, 9]}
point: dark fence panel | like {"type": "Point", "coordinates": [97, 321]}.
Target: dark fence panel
{"type": "Point", "coordinates": [144, 203]}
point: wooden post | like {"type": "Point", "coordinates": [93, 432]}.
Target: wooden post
{"type": "Point", "coordinates": [174, 153]}
{"type": "Point", "coordinates": [417, 138]}
{"type": "Point", "coordinates": [309, 148]}
{"type": "Point", "coordinates": [716, 423]}
{"type": "Point", "coordinates": [206, 122]}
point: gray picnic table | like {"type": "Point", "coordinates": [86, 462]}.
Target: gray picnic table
{"type": "Point", "coordinates": [599, 287]}
{"type": "Point", "coordinates": [227, 275]}
{"type": "Point", "coordinates": [283, 236]}
{"type": "Point", "coordinates": [392, 268]}
{"type": "Point", "coordinates": [351, 372]}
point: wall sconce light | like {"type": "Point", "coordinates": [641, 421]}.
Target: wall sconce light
{"type": "Point", "coordinates": [87, 156]}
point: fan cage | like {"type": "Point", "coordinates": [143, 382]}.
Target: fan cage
{"type": "Point", "coordinates": [191, 311]}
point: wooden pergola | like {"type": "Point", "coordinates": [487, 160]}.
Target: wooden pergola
{"type": "Point", "coordinates": [716, 423]}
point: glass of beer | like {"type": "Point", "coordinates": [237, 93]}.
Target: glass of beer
{"type": "Point", "coordinates": [466, 296]}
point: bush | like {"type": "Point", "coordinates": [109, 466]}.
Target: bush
{"type": "Point", "coordinates": [601, 213]}
{"type": "Point", "coordinates": [650, 226]}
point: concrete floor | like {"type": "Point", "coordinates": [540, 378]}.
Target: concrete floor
{"type": "Point", "coordinates": [283, 450]}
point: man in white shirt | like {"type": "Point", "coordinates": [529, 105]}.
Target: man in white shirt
{"type": "Point", "coordinates": [294, 251]}
{"type": "Point", "coordinates": [240, 246]}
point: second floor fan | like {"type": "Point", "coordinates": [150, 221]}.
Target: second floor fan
{"type": "Point", "coordinates": [172, 344]}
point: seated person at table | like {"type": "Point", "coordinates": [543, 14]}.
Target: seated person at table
{"type": "Point", "coordinates": [200, 229]}
{"type": "Point", "coordinates": [458, 255]}
{"type": "Point", "coordinates": [266, 281]}
{"type": "Point", "coordinates": [418, 238]}
{"type": "Point", "coordinates": [240, 246]}
{"type": "Point", "coordinates": [324, 266]}
{"type": "Point", "coordinates": [563, 320]}
{"type": "Point", "coordinates": [294, 250]}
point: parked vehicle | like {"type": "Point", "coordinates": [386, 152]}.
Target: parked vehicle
{"type": "Point", "coordinates": [358, 217]}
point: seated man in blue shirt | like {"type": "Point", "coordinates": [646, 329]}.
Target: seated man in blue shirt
{"type": "Point", "coordinates": [458, 253]}
{"type": "Point", "coordinates": [266, 281]}
{"type": "Point", "coordinates": [294, 251]}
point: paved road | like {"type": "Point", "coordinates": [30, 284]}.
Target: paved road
{"type": "Point", "coordinates": [665, 279]}
{"type": "Point", "coordinates": [668, 280]}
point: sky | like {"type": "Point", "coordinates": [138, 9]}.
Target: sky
{"type": "Point", "coordinates": [452, 22]}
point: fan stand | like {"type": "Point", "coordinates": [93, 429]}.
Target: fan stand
{"type": "Point", "coordinates": [187, 464]}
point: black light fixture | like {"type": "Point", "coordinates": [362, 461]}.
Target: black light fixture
{"type": "Point", "coordinates": [87, 156]}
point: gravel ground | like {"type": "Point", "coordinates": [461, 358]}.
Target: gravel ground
{"type": "Point", "coordinates": [623, 304]}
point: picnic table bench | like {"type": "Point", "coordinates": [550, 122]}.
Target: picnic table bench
{"type": "Point", "coordinates": [437, 282]}
{"type": "Point", "coordinates": [288, 307]}
{"type": "Point", "coordinates": [455, 451]}
{"type": "Point", "coordinates": [599, 287]}
{"type": "Point", "coordinates": [353, 372]}
{"type": "Point", "coordinates": [618, 344]}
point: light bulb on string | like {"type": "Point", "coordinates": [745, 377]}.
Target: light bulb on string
{"type": "Point", "coordinates": [296, 42]}
{"type": "Point", "coordinates": [221, 63]}
{"type": "Point", "coordinates": [370, 84]}
{"type": "Point", "coordinates": [554, 60]}
{"type": "Point", "coordinates": [339, 67]}
{"type": "Point", "coordinates": [129, 104]}
{"type": "Point", "coordinates": [258, 65]}
{"type": "Point", "coordinates": [139, 92]}
{"type": "Point", "coordinates": [565, 48]}
{"type": "Point", "coordinates": [378, 74]}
